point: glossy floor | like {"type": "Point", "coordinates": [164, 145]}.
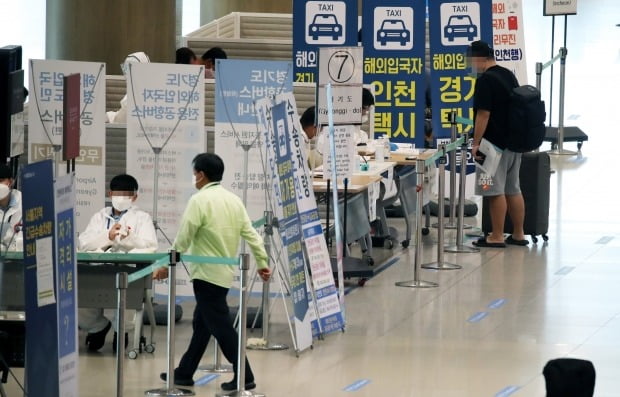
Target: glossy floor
{"type": "Point", "coordinates": [488, 329]}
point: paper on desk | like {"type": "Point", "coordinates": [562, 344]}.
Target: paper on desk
{"type": "Point", "coordinates": [493, 156]}
{"type": "Point", "coordinates": [45, 272]}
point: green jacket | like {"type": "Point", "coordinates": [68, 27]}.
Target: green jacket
{"type": "Point", "coordinates": [212, 225]}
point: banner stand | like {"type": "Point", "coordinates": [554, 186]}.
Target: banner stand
{"type": "Point", "coordinates": [416, 282]}
{"type": "Point", "coordinates": [121, 287]}
{"type": "Point", "coordinates": [440, 264]}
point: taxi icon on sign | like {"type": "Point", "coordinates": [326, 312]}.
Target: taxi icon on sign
{"type": "Point", "coordinates": [460, 26]}
{"type": "Point", "coordinates": [393, 30]}
{"type": "Point", "coordinates": [325, 25]}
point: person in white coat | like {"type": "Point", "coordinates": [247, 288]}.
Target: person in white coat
{"type": "Point", "coordinates": [10, 213]}
{"type": "Point", "coordinates": [120, 228]}
{"type": "Point", "coordinates": [120, 116]}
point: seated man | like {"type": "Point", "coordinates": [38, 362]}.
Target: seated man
{"type": "Point", "coordinates": [11, 238]}
{"type": "Point", "coordinates": [209, 60]}
{"type": "Point", "coordinates": [308, 127]}
{"type": "Point", "coordinates": [120, 228]}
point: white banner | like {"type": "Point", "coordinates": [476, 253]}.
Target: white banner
{"type": "Point", "coordinates": [45, 117]}
{"type": "Point", "coordinates": [165, 112]}
{"type": "Point", "coordinates": [346, 153]}
{"type": "Point", "coordinates": [509, 37]}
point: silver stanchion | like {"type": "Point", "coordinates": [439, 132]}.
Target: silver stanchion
{"type": "Point", "coordinates": [121, 287]}
{"type": "Point", "coordinates": [244, 266]}
{"type": "Point", "coordinates": [440, 264]}
{"type": "Point", "coordinates": [170, 390]}
{"type": "Point", "coordinates": [452, 220]}
{"type": "Point", "coordinates": [460, 247]}
{"type": "Point", "coordinates": [264, 344]}
{"type": "Point", "coordinates": [217, 367]}
{"type": "Point", "coordinates": [416, 282]}
{"type": "Point", "coordinates": [560, 148]}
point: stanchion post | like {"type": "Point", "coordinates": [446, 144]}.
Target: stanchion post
{"type": "Point", "coordinates": [440, 264]}
{"type": "Point", "coordinates": [539, 70]}
{"type": "Point", "coordinates": [416, 282]}
{"type": "Point", "coordinates": [460, 247]}
{"type": "Point", "coordinates": [560, 146]}
{"type": "Point", "coordinates": [244, 266]}
{"type": "Point", "coordinates": [452, 221]}
{"type": "Point", "coordinates": [170, 390]}
{"type": "Point", "coordinates": [121, 288]}
{"type": "Point", "coordinates": [265, 345]}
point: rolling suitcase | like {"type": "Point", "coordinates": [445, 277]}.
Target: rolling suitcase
{"type": "Point", "coordinates": [534, 175]}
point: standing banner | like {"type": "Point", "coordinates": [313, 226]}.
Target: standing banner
{"type": "Point", "coordinates": [317, 254]}
{"type": "Point", "coordinates": [45, 128]}
{"type": "Point", "coordinates": [453, 25]}
{"type": "Point", "coordinates": [509, 37]}
{"type": "Point", "coordinates": [556, 7]}
{"type": "Point", "coordinates": [394, 50]}
{"type": "Point", "coordinates": [326, 23]}
{"type": "Point", "coordinates": [165, 116]}
{"type": "Point", "coordinates": [50, 282]}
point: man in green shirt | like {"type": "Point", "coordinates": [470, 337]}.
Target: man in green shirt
{"type": "Point", "coordinates": [213, 223]}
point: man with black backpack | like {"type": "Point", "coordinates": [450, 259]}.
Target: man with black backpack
{"type": "Point", "coordinates": [492, 102]}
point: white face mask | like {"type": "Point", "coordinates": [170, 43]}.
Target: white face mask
{"type": "Point", "coordinates": [195, 180]}
{"type": "Point", "coordinates": [4, 191]}
{"type": "Point", "coordinates": [121, 203]}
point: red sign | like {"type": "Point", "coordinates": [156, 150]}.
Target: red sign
{"type": "Point", "coordinates": [71, 120]}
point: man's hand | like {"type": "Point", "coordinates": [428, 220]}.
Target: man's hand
{"type": "Point", "coordinates": [160, 274]}
{"type": "Point", "coordinates": [114, 231]}
{"type": "Point", "coordinates": [264, 274]}
{"type": "Point", "coordinates": [474, 151]}
{"type": "Point", "coordinates": [127, 231]}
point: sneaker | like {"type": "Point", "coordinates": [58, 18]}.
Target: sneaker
{"type": "Point", "coordinates": [177, 380]}
{"type": "Point", "coordinates": [114, 341]}
{"type": "Point", "coordinates": [96, 340]}
{"type": "Point", "coordinates": [232, 385]}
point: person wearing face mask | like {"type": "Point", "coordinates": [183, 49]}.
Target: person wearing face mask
{"type": "Point", "coordinates": [120, 116]}
{"type": "Point", "coordinates": [11, 212]}
{"type": "Point", "coordinates": [308, 134]}
{"type": "Point", "coordinates": [209, 59]}
{"type": "Point", "coordinates": [119, 228]}
{"type": "Point", "coordinates": [212, 225]}
{"type": "Point", "coordinates": [491, 104]}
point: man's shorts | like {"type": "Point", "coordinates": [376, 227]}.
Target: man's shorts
{"type": "Point", "coordinates": [506, 178]}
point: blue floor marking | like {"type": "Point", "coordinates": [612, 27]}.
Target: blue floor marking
{"type": "Point", "coordinates": [507, 391]}
{"type": "Point", "coordinates": [206, 379]}
{"type": "Point", "coordinates": [565, 270]}
{"type": "Point", "coordinates": [477, 317]}
{"type": "Point", "coordinates": [357, 385]}
{"type": "Point", "coordinates": [497, 303]}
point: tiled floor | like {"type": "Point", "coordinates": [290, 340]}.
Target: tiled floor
{"type": "Point", "coordinates": [560, 299]}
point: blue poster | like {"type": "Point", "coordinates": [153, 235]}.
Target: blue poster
{"type": "Point", "coordinates": [328, 23]}
{"type": "Point", "coordinates": [290, 222]}
{"type": "Point", "coordinates": [394, 46]}
{"type": "Point", "coordinates": [453, 25]}
{"type": "Point", "coordinates": [42, 368]}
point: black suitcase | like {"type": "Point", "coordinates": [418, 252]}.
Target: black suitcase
{"type": "Point", "coordinates": [534, 175]}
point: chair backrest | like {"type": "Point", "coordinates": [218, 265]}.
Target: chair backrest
{"type": "Point", "coordinates": [408, 192]}
{"type": "Point", "coordinates": [357, 217]}
{"type": "Point", "coordinates": [569, 377]}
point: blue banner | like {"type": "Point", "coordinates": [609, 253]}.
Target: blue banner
{"type": "Point", "coordinates": [453, 25]}
{"type": "Point", "coordinates": [394, 46]}
{"type": "Point", "coordinates": [42, 368]}
{"type": "Point", "coordinates": [290, 222]}
{"type": "Point", "coordinates": [328, 23]}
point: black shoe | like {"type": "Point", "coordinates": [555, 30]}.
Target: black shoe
{"type": "Point", "coordinates": [95, 341]}
{"type": "Point", "coordinates": [177, 381]}
{"type": "Point", "coordinates": [232, 385]}
{"type": "Point", "coordinates": [115, 341]}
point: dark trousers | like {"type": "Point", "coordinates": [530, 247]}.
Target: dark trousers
{"type": "Point", "coordinates": [211, 317]}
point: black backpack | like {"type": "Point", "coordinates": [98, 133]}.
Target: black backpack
{"type": "Point", "coordinates": [526, 118]}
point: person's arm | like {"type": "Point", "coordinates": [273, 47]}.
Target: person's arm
{"type": "Point", "coordinates": [255, 241]}
{"type": "Point", "coordinates": [141, 235]}
{"type": "Point", "coordinates": [96, 235]}
{"type": "Point", "coordinates": [483, 102]}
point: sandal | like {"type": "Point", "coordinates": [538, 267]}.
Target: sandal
{"type": "Point", "coordinates": [482, 242]}
{"type": "Point", "coordinates": [510, 240]}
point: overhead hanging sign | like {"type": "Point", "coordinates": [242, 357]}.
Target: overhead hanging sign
{"type": "Point", "coordinates": [45, 127]}
{"type": "Point", "coordinates": [453, 25]}
{"type": "Point", "coordinates": [509, 38]}
{"type": "Point", "coordinates": [394, 51]}
{"type": "Point", "coordinates": [327, 23]}
{"type": "Point", "coordinates": [560, 7]}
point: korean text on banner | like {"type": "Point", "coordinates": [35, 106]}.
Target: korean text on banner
{"type": "Point", "coordinates": [453, 25]}
{"type": "Point", "coordinates": [327, 23]}
{"type": "Point", "coordinates": [394, 46]}
{"type": "Point", "coordinates": [45, 127]}
{"type": "Point", "coordinates": [165, 116]}
{"type": "Point", "coordinates": [509, 37]}
{"type": "Point", "coordinates": [329, 309]}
